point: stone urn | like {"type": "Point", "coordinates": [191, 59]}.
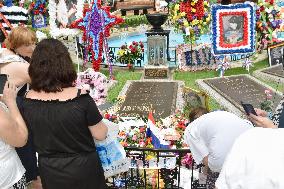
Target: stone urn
{"type": "Point", "coordinates": [157, 20]}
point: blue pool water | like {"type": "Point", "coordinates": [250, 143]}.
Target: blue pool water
{"type": "Point", "coordinates": [175, 39]}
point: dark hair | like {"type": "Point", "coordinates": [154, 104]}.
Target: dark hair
{"type": "Point", "coordinates": [196, 113]}
{"type": "Point", "coordinates": [51, 68]}
{"type": "Point", "coordinates": [238, 20]}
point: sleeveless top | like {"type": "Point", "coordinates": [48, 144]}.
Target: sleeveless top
{"type": "Point", "coordinates": [5, 59]}
{"type": "Point", "coordinates": [11, 168]}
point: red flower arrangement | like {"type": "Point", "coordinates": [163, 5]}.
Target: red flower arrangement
{"type": "Point", "coordinates": [191, 17]}
{"type": "Point", "coordinates": [38, 7]}
{"type": "Point", "coordinates": [129, 53]}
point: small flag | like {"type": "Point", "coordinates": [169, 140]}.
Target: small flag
{"type": "Point", "coordinates": [154, 132]}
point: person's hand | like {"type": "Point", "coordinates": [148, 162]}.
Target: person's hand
{"type": "Point", "coordinates": [261, 112]}
{"type": "Point", "coordinates": [9, 94]}
{"type": "Point", "coordinates": [260, 121]}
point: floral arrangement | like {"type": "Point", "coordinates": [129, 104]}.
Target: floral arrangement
{"type": "Point", "coordinates": [38, 7]}
{"type": "Point", "coordinates": [177, 124]}
{"type": "Point", "coordinates": [268, 20]}
{"type": "Point", "coordinates": [135, 137]}
{"type": "Point", "coordinates": [233, 28]}
{"type": "Point", "coordinates": [191, 17]}
{"type": "Point", "coordinates": [201, 58]}
{"type": "Point", "coordinates": [267, 103]}
{"type": "Point", "coordinates": [96, 24]}
{"type": "Point", "coordinates": [129, 53]}
{"type": "Point", "coordinates": [95, 82]}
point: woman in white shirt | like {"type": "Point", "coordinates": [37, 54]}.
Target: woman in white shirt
{"type": "Point", "coordinates": [210, 138]}
{"type": "Point", "coordinates": [13, 133]}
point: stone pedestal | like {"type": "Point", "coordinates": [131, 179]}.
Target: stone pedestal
{"type": "Point", "coordinates": [156, 72]}
{"type": "Point", "coordinates": [161, 33]}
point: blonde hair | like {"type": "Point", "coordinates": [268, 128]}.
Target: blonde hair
{"type": "Point", "coordinates": [20, 36]}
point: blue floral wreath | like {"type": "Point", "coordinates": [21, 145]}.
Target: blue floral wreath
{"type": "Point", "coordinates": [217, 50]}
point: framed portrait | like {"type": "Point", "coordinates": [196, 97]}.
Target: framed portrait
{"type": "Point", "coordinates": [193, 99]}
{"type": "Point", "coordinates": [38, 21]}
{"type": "Point", "coordinates": [233, 28]}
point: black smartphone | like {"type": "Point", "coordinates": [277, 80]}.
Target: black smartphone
{"type": "Point", "coordinates": [3, 80]}
{"type": "Point", "coordinates": [249, 109]}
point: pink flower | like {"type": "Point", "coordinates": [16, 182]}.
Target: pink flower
{"type": "Point", "coordinates": [134, 138]}
{"type": "Point", "coordinates": [268, 94]}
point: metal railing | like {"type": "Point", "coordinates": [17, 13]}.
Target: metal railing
{"type": "Point", "coordinates": [137, 176]}
{"type": "Point", "coordinates": [139, 62]}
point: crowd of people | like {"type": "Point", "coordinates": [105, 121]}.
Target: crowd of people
{"type": "Point", "coordinates": [41, 111]}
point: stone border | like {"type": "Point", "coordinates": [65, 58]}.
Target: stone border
{"type": "Point", "coordinates": [222, 100]}
{"type": "Point", "coordinates": [262, 75]}
{"type": "Point", "coordinates": [179, 98]}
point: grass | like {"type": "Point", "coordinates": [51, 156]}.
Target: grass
{"type": "Point", "coordinates": [189, 79]}
{"type": "Point", "coordinates": [121, 76]}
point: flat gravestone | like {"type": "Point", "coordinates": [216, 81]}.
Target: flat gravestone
{"type": "Point", "coordinates": [241, 88]}
{"type": "Point", "coordinates": [140, 96]}
{"type": "Point", "coordinates": [275, 71]}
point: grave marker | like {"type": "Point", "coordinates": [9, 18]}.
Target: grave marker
{"type": "Point", "coordinates": [140, 96]}
{"type": "Point", "coordinates": [276, 54]}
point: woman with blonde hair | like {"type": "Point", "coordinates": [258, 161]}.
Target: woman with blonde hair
{"type": "Point", "coordinates": [14, 61]}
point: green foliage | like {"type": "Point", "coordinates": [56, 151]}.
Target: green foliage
{"type": "Point", "coordinates": [134, 21]}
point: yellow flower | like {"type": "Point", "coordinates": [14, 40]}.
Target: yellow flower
{"type": "Point", "coordinates": [120, 52]}
{"type": "Point", "coordinates": [182, 14]}
{"type": "Point", "coordinates": [205, 3]}
{"type": "Point", "coordinates": [176, 7]}
{"type": "Point", "coordinates": [208, 19]}
{"type": "Point", "coordinates": [194, 22]}
{"type": "Point", "coordinates": [193, 10]}
{"type": "Point", "coordinates": [185, 23]}
{"type": "Point", "coordinates": [192, 3]}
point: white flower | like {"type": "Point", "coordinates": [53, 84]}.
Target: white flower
{"type": "Point", "coordinates": [40, 35]}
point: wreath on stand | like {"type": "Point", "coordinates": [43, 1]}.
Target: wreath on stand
{"type": "Point", "coordinates": [96, 24]}
{"type": "Point", "coordinates": [38, 11]}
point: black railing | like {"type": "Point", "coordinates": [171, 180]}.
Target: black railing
{"type": "Point", "coordinates": [137, 177]}
{"type": "Point", "coordinates": [139, 62]}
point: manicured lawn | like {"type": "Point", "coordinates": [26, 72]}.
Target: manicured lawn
{"type": "Point", "coordinates": [188, 77]}
{"type": "Point", "coordinates": [121, 76]}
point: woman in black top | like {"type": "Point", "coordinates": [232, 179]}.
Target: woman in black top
{"type": "Point", "coordinates": [63, 121]}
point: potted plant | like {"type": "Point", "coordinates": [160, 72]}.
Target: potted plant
{"type": "Point", "coordinates": [129, 53]}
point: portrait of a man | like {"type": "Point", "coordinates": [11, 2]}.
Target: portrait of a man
{"type": "Point", "coordinates": [233, 29]}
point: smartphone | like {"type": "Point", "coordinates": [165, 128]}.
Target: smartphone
{"type": "Point", "coordinates": [3, 80]}
{"type": "Point", "coordinates": [249, 109]}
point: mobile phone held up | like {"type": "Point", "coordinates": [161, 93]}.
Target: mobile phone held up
{"type": "Point", "coordinates": [249, 109]}
{"type": "Point", "coordinates": [3, 80]}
